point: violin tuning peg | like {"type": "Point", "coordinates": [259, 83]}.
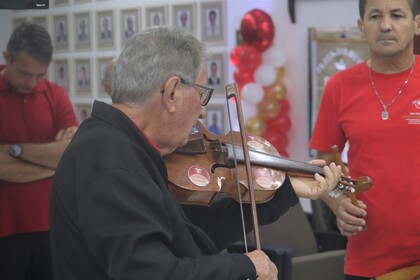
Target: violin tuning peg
{"type": "Point", "coordinates": [336, 192]}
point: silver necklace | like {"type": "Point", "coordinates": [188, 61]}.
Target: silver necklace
{"type": "Point", "coordinates": [385, 114]}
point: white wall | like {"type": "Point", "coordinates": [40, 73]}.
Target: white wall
{"type": "Point", "coordinates": [293, 38]}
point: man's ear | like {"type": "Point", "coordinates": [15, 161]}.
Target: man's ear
{"type": "Point", "coordinates": [6, 56]}
{"type": "Point", "coordinates": [417, 24]}
{"type": "Point", "coordinates": [169, 94]}
{"type": "Point", "coordinates": [361, 28]}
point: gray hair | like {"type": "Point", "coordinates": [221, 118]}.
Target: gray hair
{"type": "Point", "coordinates": [149, 58]}
{"type": "Point", "coordinates": [108, 72]}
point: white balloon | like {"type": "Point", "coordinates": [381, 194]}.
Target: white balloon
{"type": "Point", "coordinates": [274, 56]}
{"type": "Point", "coordinates": [248, 110]}
{"type": "Point", "coordinates": [252, 93]}
{"type": "Point", "coordinates": [265, 75]}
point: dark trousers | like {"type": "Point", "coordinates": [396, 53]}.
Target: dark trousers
{"type": "Point", "coordinates": [26, 257]}
{"type": "Point", "coordinates": [349, 277]}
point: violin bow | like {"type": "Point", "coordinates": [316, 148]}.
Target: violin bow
{"type": "Point", "coordinates": [232, 92]}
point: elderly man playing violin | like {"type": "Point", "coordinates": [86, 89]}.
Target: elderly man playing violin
{"type": "Point", "coordinates": [112, 214]}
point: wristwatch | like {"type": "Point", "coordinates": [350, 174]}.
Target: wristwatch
{"type": "Point", "coordinates": [16, 150]}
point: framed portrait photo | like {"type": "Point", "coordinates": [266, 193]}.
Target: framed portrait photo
{"type": "Point", "coordinates": [184, 17]}
{"type": "Point", "coordinates": [83, 111]}
{"type": "Point", "coordinates": [129, 23]}
{"type": "Point", "coordinates": [61, 32]}
{"type": "Point", "coordinates": [101, 65]}
{"type": "Point", "coordinates": [216, 69]}
{"type": "Point", "coordinates": [215, 119]}
{"type": "Point", "coordinates": [105, 33]}
{"type": "Point", "coordinates": [82, 31]}
{"type": "Point", "coordinates": [82, 77]}
{"type": "Point", "coordinates": [61, 73]}
{"type": "Point", "coordinates": [212, 22]}
{"type": "Point", "coordinates": [156, 16]}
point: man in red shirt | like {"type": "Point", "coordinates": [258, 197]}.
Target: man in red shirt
{"type": "Point", "coordinates": [37, 122]}
{"type": "Point", "coordinates": [374, 105]}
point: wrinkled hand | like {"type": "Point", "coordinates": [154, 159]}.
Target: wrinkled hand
{"type": "Point", "coordinates": [66, 134]}
{"type": "Point", "coordinates": [350, 218]}
{"type": "Point", "coordinates": [266, 270]}
{"type": "Point", "coordinates": [313, 188]}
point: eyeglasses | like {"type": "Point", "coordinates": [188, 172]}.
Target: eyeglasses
{"type": "Point", "coordinates": [205, 95]}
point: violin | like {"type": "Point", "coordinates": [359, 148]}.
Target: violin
{"type": "Point", "coordinates": [210, 165]}
{"type": "Point", "coordinates": [204, 169]}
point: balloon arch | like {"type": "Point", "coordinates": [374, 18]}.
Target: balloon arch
{"type": "Point", "coordinates": [259, 75]}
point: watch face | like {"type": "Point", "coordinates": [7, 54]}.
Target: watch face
{"type": "Point", "coordinates": [16, 150]}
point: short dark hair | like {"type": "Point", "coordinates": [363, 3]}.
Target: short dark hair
{"type": "Point", "coordinates": [414, 4]}
{"type": "Point", "coordinates": [33, 39]}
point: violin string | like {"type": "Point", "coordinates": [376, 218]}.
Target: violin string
{"type": "Point", "coordinates": [237, 176]}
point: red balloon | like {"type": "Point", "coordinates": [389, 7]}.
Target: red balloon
{"type": "Point", "coordinates": [284, 107]}
{"type": "Point", "coordinates": [243, 76]}
{"type": "Point", "coordinates": [257, 29]}
{"type": "Point", "coordinates": [245, 57]}
{"type": "Point", "coordinates": [276, 138]}
{"type": "Point", "coordinates": [284, 153]}
{"type": "Point", "coordinates": [280, 124]}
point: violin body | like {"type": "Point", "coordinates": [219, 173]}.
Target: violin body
{"type": "Point", "coordinates": [211, 165]}
{"type": "Point", "coordinates": [201, 171]}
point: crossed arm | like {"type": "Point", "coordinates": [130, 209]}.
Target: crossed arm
{"type": "Point", "coordinates": [38, 161]}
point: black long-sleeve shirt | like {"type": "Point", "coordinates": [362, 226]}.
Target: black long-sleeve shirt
{"type": "Point", "coordinates": [112, 216]}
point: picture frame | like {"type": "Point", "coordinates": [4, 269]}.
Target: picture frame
{"type": "Point", "coordinates": [61, 73]}
{"type": "Point", "coordinates": [82, 77]}
{"type": "Point", "coordinates": [212, 22]}
{"type": "Point", "coordinates": [83, 111]}
{"type": "Point", "coordinates": [216, 71]}
{"type": "Point", "coordinates": [184, 17]}
{"type": "Point", "coordinates": [61, 32]}
{"type": "Point", "coordinates": [129, 23]}
{"type": "Point", "coordinates": [42, 21]}
{"type": "Point", "coordinates": [105, 33]}
{"type": "Point", "coordinates": [82, 31]}
{"type": "Point", "coordinates": [101, 64]}
{"type": "Point", "coordinates": [215, 119]}
{"type": "Point", "coordinates": [156, 16]}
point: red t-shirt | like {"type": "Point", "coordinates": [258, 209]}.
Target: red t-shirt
{"type": "Point", "coordinates": [387, 151]}
{"type": "Point", "coordinates": [30, 118]}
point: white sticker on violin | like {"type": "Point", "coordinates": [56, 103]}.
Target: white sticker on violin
{"type": "Point", "coordinates": [198, 176]}
{"type": "Point", "coordinates": [263, 177]}
{"type": "Point", "coordinates": [254, 142]}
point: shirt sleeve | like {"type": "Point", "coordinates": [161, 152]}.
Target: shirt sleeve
{"type": "Point", "coordinates": [222, 220]}
{"type": "Point", "coordinates": [63, 109]}
{"type": "Point", "coordinates": [327, 131]}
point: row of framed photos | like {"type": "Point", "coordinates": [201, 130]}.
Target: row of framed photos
{"type": "Point", "coordinates": [79, 75]}
{"type": "Point", "coordinates": [215, 121]}
{"type": "Point", "coordinates": [80, 31]}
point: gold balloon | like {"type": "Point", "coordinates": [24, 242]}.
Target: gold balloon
{"type": "Point", "coordinates": [277, 91]}
{"type": "Point", "coordinates": [268, 108]}
{"type": "Point", "coordinates": [280, 74]}
{"type": "Point", "coordinates": [255, 126]}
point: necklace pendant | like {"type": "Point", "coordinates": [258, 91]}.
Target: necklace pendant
{"type": "Point", "coordinates": [385, 115]}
